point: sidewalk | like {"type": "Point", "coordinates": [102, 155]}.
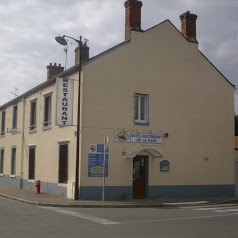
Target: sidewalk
{"type": "Point", "coordinates": [44, 199]}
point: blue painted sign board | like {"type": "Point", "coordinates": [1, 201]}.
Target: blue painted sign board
{"type": "Point", "coordinates": [95, 161]}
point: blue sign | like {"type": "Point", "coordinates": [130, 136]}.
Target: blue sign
{"type": "Point", "coordinates": [95, 161]}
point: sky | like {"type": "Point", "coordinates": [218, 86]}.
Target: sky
{"type": "Point", "coordinates": [28, 29]}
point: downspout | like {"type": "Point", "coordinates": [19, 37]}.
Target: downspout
{"type": "Point", "coordinates": [22, 141]}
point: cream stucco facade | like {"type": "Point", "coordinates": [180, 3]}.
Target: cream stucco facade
{"type": "Point", "coordinates": [190, 104]}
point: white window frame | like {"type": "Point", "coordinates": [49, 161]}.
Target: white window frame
{"type": "Point", "coordinates": [138, 108]}
{"type": "Point", "coordinates": [3, 123]}
{"type": "Point", "coordinates": [33, 128]}
{"type": "Point", "coordinates": [61, 143]}
{"type": "Point", "coordinates": [14, 116]}
{"type": "Point", "coordinates": [47, 124]}
{"type": "Point", "coordinates": [13, 168]}
{"type": "Point", "coordinates": [29, 161]}
{"type": "Point", "coordinates": [2, 160]}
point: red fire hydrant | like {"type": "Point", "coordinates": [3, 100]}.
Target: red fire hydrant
{"type": "Point", "coordinates": [38, 186]}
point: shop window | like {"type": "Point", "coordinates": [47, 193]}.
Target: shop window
{"type": "Point", "coordinates": [32, 116]}
{"type": "Point", "coordinates": [141, 106]}
{"type": "Point", "coordinates": [31, 174]}
{"type": "Point", "coordinates": [63, 163]}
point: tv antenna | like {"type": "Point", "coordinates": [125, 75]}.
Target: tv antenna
{"type": "Point", "coordinates": [16, 92]}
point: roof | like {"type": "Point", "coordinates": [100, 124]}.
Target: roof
{"type": "Point", "coordinates": [75, 68]}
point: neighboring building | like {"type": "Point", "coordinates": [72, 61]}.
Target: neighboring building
{"type": "Point", "coordinates": [168, 113]}
{"type": "Point", "coordinates": [236, 166]}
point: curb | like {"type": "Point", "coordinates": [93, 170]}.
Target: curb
{"type": "Point", "coordinates": [44, 204]}
{"type": "Point", "coordinates": [161, 205]}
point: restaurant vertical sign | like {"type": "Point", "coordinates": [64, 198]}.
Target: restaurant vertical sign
{"type": "Point", "coordinates": [64, 102]}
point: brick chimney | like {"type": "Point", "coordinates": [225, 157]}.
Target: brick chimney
{"type": "Point", "coordinates": [53, 70]}
{"type": "Point", "coordinates": [84, 53]}
{"type": "Point", "coordinates": [188, 26]}
{"type": "Point", "coordinates": [132, 17]}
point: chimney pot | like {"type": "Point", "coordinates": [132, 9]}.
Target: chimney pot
{"type": "Point", "coordinates": [53, 70]}
{"type": "Point", "coordinates": [132, 16]}
{"type": "Point", "coordinates": [84, 53]}
{"type": "Point", "coordinates": [188, 26]}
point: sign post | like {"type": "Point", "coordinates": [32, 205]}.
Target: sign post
{"type": "Point", "coordinates": [104, 163]}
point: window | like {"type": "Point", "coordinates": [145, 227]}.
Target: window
{"type": "Point", "coordinates": [13, 162]}
{"type": "Point", "coordinates": [47, 111]}
{"type": "Point", "coordinates": [31, 174]}
{"type": "Point", "coordinates": [14, 117]}
{"type": "Point", "coordinates": [63, 163]}
{"type": "Point", "coordinates": [33, 115]}
{"type": "Point", "coordinates": [3, 123]}
{"type": "Point", "coordinates": [141, 108]}
{"type": "Point", "coordinates": [1, 160]}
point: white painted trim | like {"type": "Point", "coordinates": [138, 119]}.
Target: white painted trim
{"type": "Point", "coordinates": [47, 93]}
{"type": "Point", "coordinates": [33, 100]}
{"type": "Point", "coordinates": [1, 175]}
{"type": "Point", "coordinates": [32, 145]}
{"type": "Point", "coordinates": [12, 176]}
{"type": "Point", "coordinates": [63, 185]}
{"type": "Point", "coordinates": [31, 181]}
{"type": "Point", "coordinates": [63, 142]}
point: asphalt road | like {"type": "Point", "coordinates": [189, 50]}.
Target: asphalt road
{"type": "Point", "coordinates": [23, 221]}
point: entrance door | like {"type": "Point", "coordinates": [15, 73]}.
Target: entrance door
{"type": "Point", "coordinates": [139, 176]}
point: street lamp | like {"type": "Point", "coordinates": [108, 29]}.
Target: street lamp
{"type": "Point", "coordinates": [61, 40]}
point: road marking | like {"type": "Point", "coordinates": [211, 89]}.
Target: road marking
{"type": "Point", "coordinates": [82, 216]}
{"type": "Point", "coordinates": [227, 210]}
{"type": "Point", "coordinates": [178, 219]}
{"type": "Point", "coordinates": [209, 206]}
{"type": "Point", "coordinates": [215, 208]}
{"type": "Point", "coordinates": [185, 203]}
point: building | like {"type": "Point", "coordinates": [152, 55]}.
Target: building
{"type": "Point", "coordinates": [167, 110]}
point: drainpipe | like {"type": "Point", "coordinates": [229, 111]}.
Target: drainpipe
{"type": "Point", "coordinates": [22, 141]}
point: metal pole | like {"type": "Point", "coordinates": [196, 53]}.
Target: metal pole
{"type": "Point", "coordinates": [22, 141]}
{"type": "Point", "coordinates": [104, 166]}
{"type": "Point", "coordinates": [78, 127]}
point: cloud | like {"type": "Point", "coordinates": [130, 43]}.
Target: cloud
{"type": "Point", "coordinates": [28, 28]}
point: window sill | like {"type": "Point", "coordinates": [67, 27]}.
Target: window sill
{"type": "Point", "coordinates": [1, 175]}
{"type": "Point", "coordinates": [12, 176]}
{"type": "Point", "coordinates": [45, 128]}
{"type": "Point", "coordinates": [2, 135]}
{"type": "Point", "coordinates": [32, 131]}
{"type": "Point", "coordinates": [14, 133]}
{"type": "Point", "coordinates": [31, 180]}
{"type": "Point", "coordinates": [64, 185]}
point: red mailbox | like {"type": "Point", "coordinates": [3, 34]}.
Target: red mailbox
{"type": "Point", "coordinates": [38, 186]}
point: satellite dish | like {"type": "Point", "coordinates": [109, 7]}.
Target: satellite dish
{"type": "Point", "coordinates": [61, 40]}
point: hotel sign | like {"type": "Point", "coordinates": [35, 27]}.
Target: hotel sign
{"type": "Point", "coordinates": [138, 137]}
{"type": "Point", "coordinates": [64, 102]}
